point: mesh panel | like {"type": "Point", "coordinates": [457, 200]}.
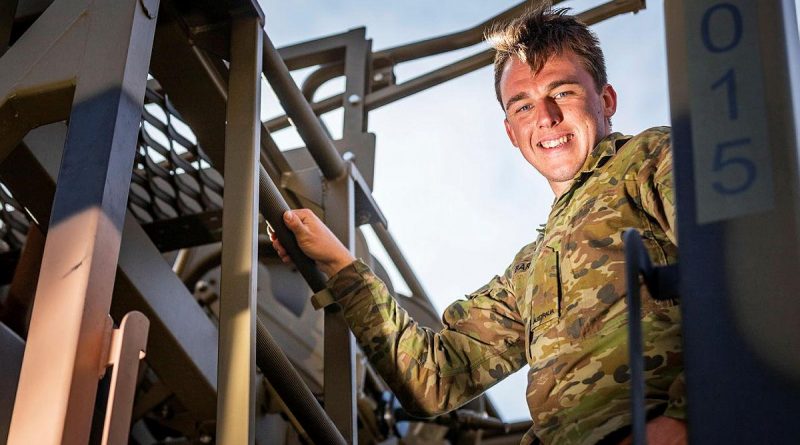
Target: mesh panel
{"type": "Point", "coordinates": [172, 176]}
{"type": "Point", "coordinates": [13, 222]}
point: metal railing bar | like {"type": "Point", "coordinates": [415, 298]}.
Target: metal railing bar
{"type": "Point", "coordinates": [297, 107]}
{"type": "Point", "coordinates": [418, 50]}
{"type": "Point", "coordinates": [662, 284]}
{"type": "Point", "coordinates": [390, 94]}
{"type": "Point", "coordinates": [292, 390]}
{"type": "Point", "coordinates": [318, 108]}
{"type": "Point", "coordinates": [420, 83]}
{"type": "Point", "coordinates": [396, 255]}
{"type": "Point", "coordinates": [272, 205]}
{"type": "Point", "coordinates": [269, 357]}
{"type": "Point", "coordinates": [467, 65]}
{"type": "Point", "coordinates": [452, 41]}
{"type": "Point", "coordinates": [636, 261]}
{"type": "Point", "coordinates": [320, 76]}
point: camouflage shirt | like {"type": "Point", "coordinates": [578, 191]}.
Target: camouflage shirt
{"type": "Point", "coordinates": [560, 308]}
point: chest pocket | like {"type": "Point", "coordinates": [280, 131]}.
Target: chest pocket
{"type": "Point", "coordinates": [544, 295]}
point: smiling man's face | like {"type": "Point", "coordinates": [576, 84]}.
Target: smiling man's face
{"type": "Point", "coordinates": [556, 116]}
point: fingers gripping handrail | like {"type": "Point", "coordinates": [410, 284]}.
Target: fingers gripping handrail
{"type": "Point", "coordinates": [269, 357]}
{"type": "Point", "coordinates": [272, 205]}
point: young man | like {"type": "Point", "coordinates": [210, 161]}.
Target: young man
{"type": "Point", "coordinates": [560, 306]}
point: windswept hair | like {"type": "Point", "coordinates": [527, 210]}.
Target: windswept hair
{"type": "Point", "coordinates": [541, 33]}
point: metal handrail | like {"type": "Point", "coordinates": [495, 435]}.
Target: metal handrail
{"type": "Point", "coordinates": [440, 75]}
{"type": "Point", "coordinates": [293, 390]}
{"type": "Point", "coordinates": [297, 107]}
{"type": "Point", "coordinates": [452, 41]}
{"type": "Point", "coordinates": [417, 50]}
{"type": "Point", "coordinates": [400, 262]}
{"type": "Point", "coordinates": [272, 205]}
{"type": "Point", "coordinates": [661, 282]}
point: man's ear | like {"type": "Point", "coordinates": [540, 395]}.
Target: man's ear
{"type": "Point", "coordinates": [510, 133]}
{"type": "Point", "coordinates": [609, 100]}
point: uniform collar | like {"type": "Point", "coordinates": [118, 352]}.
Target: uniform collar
{"type": "Point", "coordinates": [601, 152]}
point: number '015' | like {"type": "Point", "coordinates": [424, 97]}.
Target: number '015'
{"type": "Point", "coordinates": [718, 15]}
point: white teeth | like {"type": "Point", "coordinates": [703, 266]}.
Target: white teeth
{"type": "Point", "coordinates": [555, 142]}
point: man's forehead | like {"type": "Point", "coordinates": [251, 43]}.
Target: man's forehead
{"type": "Point", "coordinates": [563, 65]}
{"type": "Point", "coordinates": [562, 59]}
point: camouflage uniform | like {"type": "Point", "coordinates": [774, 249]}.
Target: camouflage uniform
{"type": "Point", "coordinates": [560, 307]}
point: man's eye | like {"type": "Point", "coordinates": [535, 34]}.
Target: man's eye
{"type": "Point", "coordinates": [562, 94]}
{"type": "Point", "coordinates": [524, 108]}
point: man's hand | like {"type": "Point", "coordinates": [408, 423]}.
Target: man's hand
{"type": "Point", "coordinates": [315, 240]}
{"type": "Point", "coordinates": [663, 431]}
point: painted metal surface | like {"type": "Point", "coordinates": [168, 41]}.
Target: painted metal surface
{"type": "Point", "coordinates": [188, 62]}
{"type": "Point", "coordinates": [739, 272]}
{"type": "Point", "coordinates": [128, 347]}
{"type": "Point", "coordinates": [236, 377]}
{"type": "Point", "coordinates": [58, 380]}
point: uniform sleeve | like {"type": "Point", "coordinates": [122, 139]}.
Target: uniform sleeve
{"type": "Point", "coordinates": [676, 408]}
{"type": "Point", "coordinates": [433, 372]}
{"type": "Point", "coordinates": [655, 186]}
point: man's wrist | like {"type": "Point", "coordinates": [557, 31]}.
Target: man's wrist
{"type": "Point", "coordinates": [332, 268]}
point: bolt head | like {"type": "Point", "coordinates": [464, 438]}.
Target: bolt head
{"type": "Point", "coordinates": [353, 99]}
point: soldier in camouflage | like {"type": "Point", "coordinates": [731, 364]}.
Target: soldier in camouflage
{"type": "Point", "coordinates": [560, 306]}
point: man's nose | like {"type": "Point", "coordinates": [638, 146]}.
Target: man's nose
{"type": "Point", "coordinates": [549, 114]}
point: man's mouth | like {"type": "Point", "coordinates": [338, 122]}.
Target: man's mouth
{"type": "Point", "coordinates": [556, 142]}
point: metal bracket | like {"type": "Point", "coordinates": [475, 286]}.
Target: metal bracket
{"type": "Point", "coordinates": [362, 146]}
{"type": "Point", "coordinates": [306, 183]}
{"type": "Point", "coordinates": [322, 299]}
{"type": "Point", "coordinates": [128, 346]}
{"type": "Point", "coordinates": [367, 209]}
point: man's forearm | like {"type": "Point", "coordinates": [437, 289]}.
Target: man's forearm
{"type": "Point", "coordinates": [430, 372]}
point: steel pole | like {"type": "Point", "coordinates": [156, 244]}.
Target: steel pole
{"type": "Point", "coordinates": [236, 381]}
{"type": "Point", "coordinates": [297, 108]}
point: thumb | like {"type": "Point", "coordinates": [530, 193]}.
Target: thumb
{"type": "Point", "coordinates": [294, 223]}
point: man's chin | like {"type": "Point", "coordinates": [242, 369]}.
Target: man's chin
{"type": "Point", "coordinates": [563, 176]}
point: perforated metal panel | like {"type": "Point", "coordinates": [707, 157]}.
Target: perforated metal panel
{"type": "Point", "coordinates": [172, 176]}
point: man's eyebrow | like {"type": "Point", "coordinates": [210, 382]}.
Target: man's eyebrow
{"type": "Point", "coordinates": [515, 98]}
{"type": "Point", "coordinates": [557, 83]}
{"type": "Point", "coordinates": [550, 87]}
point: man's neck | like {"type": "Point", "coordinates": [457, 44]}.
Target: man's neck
{"type": "Point", "coordinates": [559, 188]}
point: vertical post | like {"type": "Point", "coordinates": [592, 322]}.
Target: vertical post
{"type": "Point", "coordinates": [237, 319]}
{"type": "Point", "coordinates": [64, 353]}
{"type": "Point", "coordinates": [357, 66]}
{"type": "Point", "coordinates": [735, 147]}
{"type": "Point", "coordinates": [340, 364]}
{"type": "Point", "coordinates": [340, 349]}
